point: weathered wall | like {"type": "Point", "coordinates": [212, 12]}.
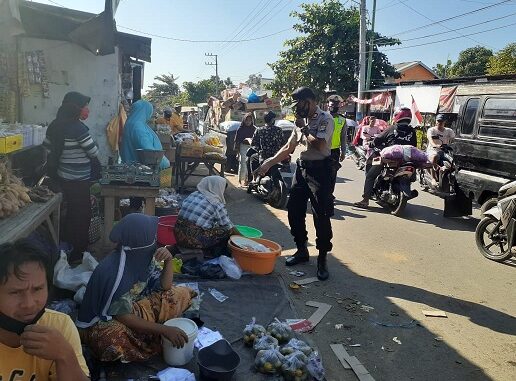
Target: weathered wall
{"type": "Point", "coordinates": [72, 68]}
{"type": "Point", "coordinates": [415, 73]}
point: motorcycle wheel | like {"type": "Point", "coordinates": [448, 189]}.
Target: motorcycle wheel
{"type": "Point", "coordinates": [490, 203]}
{"type": "Point", "coordinates": [279, 196]}
{"type": "Point", "coordinates": [488, 235]}
{"type": "Point", "coordinates": [398, 209]}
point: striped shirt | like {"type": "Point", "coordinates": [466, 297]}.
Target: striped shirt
{"type": "Point", "coordinates": [79, 148]}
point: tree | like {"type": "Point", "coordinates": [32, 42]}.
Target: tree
{"type": "Point", "coordinates": [164, 87]}
{"type": "Point", "coordinates": [503, 62]}
{"type": "Point", "coordinates": [472, 62]}
{"type": "Point", "coordinates": [444, 71]}
{"type": "Point", "coordinates": [254, 81]}
{"type": "Point", "coordinates": [326, 53]}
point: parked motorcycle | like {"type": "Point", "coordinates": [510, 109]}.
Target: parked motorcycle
{"type": "Point", "coordinates": [274, 187]}
{"type": "Point", "coordinates": [496, 231]}
{"type": "Point", "coordinates": [358, 155]}
{"type": "Point", "coordinates": [445, 186]}
{"type": "Point", "coordinates": [392, 186]}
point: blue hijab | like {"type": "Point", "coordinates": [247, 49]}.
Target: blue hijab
{"type": "Point", "coordinates": [116, 274]}
{"type": "Point", "coordinates": [137, 134]}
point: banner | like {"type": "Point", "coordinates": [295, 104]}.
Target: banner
{"type": "Point", "coordinates": [447, 99]}
{"type": "Point", "coordinates": [379, 101]}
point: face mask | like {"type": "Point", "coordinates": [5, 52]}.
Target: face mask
{"type": "Point", "coordinates": [85, 112]}
{"type": "Point", "coordinates": [334, 109]}
{"type": "Point", "coordinates": [16, 326]}
{"type": "Point", "coordinates": [303, 112]}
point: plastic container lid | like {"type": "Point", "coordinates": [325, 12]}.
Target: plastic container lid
{"type": "Point", "coordinates": [249, 232]}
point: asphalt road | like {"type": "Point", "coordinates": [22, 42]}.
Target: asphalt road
{"type": "Point", "coordinates": [400, 267]}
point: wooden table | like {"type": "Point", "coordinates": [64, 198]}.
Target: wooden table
{"type": "Point", "coordinates": [185, 166]}
{"type": "Point", "coordinates": [112, 192]}
{"type": "Point", "coordinates": [31, 217]}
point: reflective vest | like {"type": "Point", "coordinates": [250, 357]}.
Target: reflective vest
{"type": "Point", "coordinates": [338, 125]}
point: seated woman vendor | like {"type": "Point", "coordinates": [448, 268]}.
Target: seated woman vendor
{"type": "Point", "coordinates": [203, 221]}
{"type": "Point", "coordinates": [128, 297]}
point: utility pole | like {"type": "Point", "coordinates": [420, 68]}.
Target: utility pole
{"type": "Point", "coordinates": [216, 64]}
{"type": "Point", "coordinates": [371, 42]}
{"type": "Point", "coordinates": [362, 58]}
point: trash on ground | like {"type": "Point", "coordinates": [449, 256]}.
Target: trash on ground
{"type": "Point", "coordinates": [355, 345]}
{"type": "Point", "coordinates": [396, 340]}
{"type": "Point", "coordinates": [339, 326]}
{"type": "Point", "coordinates": [206, 337]}
{"type": "Point", "coordinates": [297, 273]}
{"type": "Point", "coordinates": [217, 294]}
{"type": "Point", "coordinates": [434, 313]}
{"type": "Point", "coordinates": [387, 349]}
{"type": "Point", "coordinates": [410, 324]}
{"type": "Point", "coordinates": [302, 282]}
{"type": "Point", "coordinates": [351, 362]}
{"type": "Point", "coordinates": [366, 308]}
{"type": "Point", "coordinates": [310, 323]}
{"type": "Point", "coordinates": [438, 338]}
{"type": "Point", "coordinates": [294, 286]}
{"type": "Point", "coordinates": [175, 374]}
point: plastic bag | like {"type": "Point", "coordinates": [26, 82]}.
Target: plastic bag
{"type": "Point", "coordinates": [252, 331]}
{"type": "Point", "coordinates": [280, 331]}
{"type": "Point", "coordinates": [296, 345]}
{"type": "Point", "coordinates": [269, 361]}
{"type": "Point", "coordinates": [315, 366]}
{"type": "Point", "coordinates": [230, 267]}
{"type": "Point", "coordinates": [294, 368]}
{"type": "Point", "coordinates": [73, 279]}
{"type": "Point", "coordinates": [264, 343]}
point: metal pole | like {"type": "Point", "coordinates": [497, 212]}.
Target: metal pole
{"type": "Point", "coordinates": [371, 42]}
{"type": "Point", "coordinates": [216, 64]}
{"type": "Point", "coordinates": [362, 58]}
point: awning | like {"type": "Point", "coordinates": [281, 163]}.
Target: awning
{"type": "Point", "coordinates": [426, 97]}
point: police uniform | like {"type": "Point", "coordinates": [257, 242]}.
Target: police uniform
{"type": "Point", "coordinates": [313, 181]}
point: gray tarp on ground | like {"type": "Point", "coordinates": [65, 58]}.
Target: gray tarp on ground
{"type": "Point", "coordinates": [263, 297]}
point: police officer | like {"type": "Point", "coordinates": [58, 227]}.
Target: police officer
{"type": "Point", "coordinates": [338, 139]}
{"type": "Point", "coordinates": [313, 178]}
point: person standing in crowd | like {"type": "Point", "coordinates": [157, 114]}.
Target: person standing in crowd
{"type": "Point", "coordinates": [312, 180]}
{"type": "Point", "coordinates": [73, 163]}
{"type": "Point", "coordinates": [401, 133]}
{"type": "Point", "coordinates": [266, 142]}
{"type": "Point", "coordinates": [35, 343]}
{"type": "Point", "coordinates": [176, 120]}
{"type": "Point", "coordinates": [243, 138]}
{"type": "Point", "coordinates": [193, 121]}
{"type": "Point", "coordinates": [166, 118]}
{"type": "Point", "coordinates": [338, 139]}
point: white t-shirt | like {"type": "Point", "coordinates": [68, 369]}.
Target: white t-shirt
{"type": "Point", "coordinates": [445, 137]}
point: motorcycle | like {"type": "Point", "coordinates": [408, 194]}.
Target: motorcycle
{"type": "Point", "coordinates": [392, 186]}
{"type": "Point", "coordinates": [445, 186]}
{"type": "Point", "coordinates": [496, 231]}
{"type": "Point", "coordinates": [274, 187]}
{"type": "Point", "coordinates": [358, 155]}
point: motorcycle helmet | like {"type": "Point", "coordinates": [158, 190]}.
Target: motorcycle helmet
{"type": "Point", "coordinates": [269, 118]}
{"type": "Point", "coordinates": [403, 115]}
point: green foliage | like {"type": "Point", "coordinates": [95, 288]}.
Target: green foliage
{"type": "Point", "coordinates": [326, 52]}
{"type": "Point", "coordinates": [164, 87]}
{"type": "Point", "coordinates": [472, 62]}
{"type": "Point", "coordinates": [254, 81]}
{"type": "Point", "coordinates": [503, 62]}
{"type": "Point", "coordinates": [444, 71]}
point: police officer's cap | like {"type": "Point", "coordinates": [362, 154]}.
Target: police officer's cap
{"type": "Point", "coordinates": [335, 98]}
{"type": "Point", "coordinates": [303, 94]}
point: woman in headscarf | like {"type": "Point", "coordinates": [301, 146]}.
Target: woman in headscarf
{"type": "Point", "coordinates": [203, 221]}
{"type": "Point", "coordinates": [72, 164]}
{"type": "Point", "coordinates": [243, 138]}
{"type": "Point", "coordinates": [128, 297]}
{"type": "Point", "coordinates": [138, 135]}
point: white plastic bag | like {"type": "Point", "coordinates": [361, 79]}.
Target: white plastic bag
{"type": "Point", "coordinates": [73, 279]}
{"type": "Point", "coordinates": [230, 267]}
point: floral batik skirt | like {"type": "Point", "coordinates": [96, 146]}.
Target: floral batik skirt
{"type": "Point", "coordinates": [189, 235]}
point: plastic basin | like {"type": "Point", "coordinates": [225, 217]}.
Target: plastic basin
{"type": "Point", "coordinates": [166, 226]}
{"type": "Point", "coordinates": [218, 361]}
{"type": "Point", "coordinates": [180, 356]}
{"type": "Point", "coordinates": [249, 232]}
{"type": "Point", "coordinates": [256, 262]}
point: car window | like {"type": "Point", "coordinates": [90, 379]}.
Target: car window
{"type": "Point", "coordinates": [468, 122]}
{"type": "Point", "coordinates": [499, 108]}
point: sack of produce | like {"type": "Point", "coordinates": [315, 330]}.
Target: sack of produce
{"type": "Point", "coordinates": [269, 361]}
{"type": "Point", "coordinates": [280, 331]}
{"type": "Point", "coordinates": [264, 343]}
{"type": "Point", "coordinates": [294, 368]}
{"type": "Point", "coordinates": [296, 345]}
{"type": "Point", "coordinates": [315, 366]}
{"type": "Point", "coordinates": [253, 331]}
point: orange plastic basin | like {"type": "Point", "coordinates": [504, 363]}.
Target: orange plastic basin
{"type": "Point", "coordinates": [256, 262]}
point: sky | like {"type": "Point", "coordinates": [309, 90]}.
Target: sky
{"type": "Point", "coordinates": [233, 20]}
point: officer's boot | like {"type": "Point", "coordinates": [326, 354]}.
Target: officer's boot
{"type": "Point", "coordinates": [300, 256]}
{"type": "Point", "coordinates": [322, 266]}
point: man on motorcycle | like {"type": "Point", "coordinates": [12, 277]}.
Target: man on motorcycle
{"type": "Point", "coordinates": [401, 133]}
{"type": "Point", "coordinates": [312, 180]}
{"type": "Point", "coordinates": [438, 136]}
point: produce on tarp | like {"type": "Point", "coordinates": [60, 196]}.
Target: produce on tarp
{"type": "Point", "coordinates": [280, 331]}
{"type": "Point", "coordinates": [294, 367]}
{"type": "Point", "coordinates": [253, 331]}
{"type": "Point", "coordinates": [265, 342]}
{"type": "Point", "coordinates": [296, 345]}
{"type": "Point", "coordinates": [13, 193]}
{"type": "Point", "coordinates": [269, 361]}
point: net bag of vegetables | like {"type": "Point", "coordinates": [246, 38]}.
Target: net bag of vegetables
{"type": "Point", "coordinates": [296, 345]}
{"type": "Point", "coordinates": [294, 367]}
{"type": "Point", "coordinates": [269, 361]}
{"type": "Point", "coordinates": [264, 343]}
{"type": "Point", "coordinates": [253, 331]}
{"type": "Point", "coordinates": [281, 331]}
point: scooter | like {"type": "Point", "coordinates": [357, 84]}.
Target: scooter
{"type": "Point", "coordinates": [274, 187]}
{"type": "Point", "coordinates": [392, 186]}
{"type": "Point", "coordinates": [358, 155]}
{"type": "Point", "coordinates": [445, 186]}
{"type": "Point", "coordinates": [495, 234]}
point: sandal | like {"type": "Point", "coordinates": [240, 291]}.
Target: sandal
{"type": "Point", "coordinates": [361, 204]}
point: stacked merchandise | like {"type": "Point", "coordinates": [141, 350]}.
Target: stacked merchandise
{"type": "Point", "coordinates": [14, 136]}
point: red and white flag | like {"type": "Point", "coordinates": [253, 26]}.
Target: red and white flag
{"type": "Point", "coordinates": [415, 112]}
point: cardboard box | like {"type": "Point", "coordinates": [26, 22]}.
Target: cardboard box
{"type": "Point", "coordinates": [256, 106]}
{"type": "Point", "coordinates": [11, 143]}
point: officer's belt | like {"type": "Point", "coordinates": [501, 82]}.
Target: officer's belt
{"type": "Point", "coordinates": [313, 163]}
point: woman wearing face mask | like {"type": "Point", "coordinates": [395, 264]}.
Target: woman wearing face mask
{"type": "Point", "coordinates": [128, 297]}
{"type": "Point", "coordinates": [72, 163]}
{"type": "Point", "coordinates": [242, 143]}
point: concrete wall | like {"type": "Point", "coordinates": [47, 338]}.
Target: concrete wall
{"type": "Point", "coordinates": [72, 68]}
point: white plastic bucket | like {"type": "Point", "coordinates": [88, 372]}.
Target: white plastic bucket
{"type": "Point", "coordinates": [180, 356]}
